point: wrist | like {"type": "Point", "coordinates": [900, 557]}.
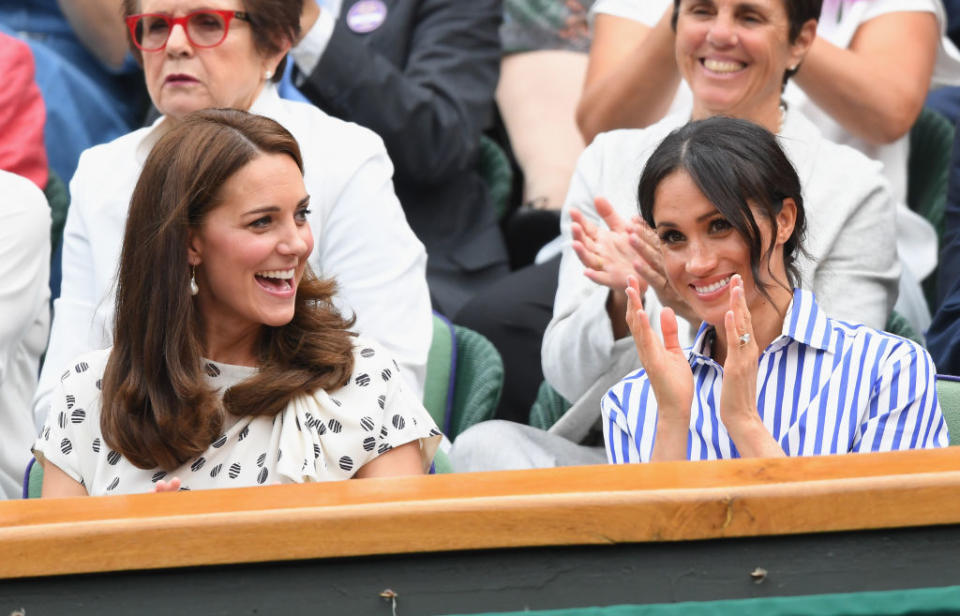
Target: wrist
{"type": "Point", "coordinates": [617, 312]}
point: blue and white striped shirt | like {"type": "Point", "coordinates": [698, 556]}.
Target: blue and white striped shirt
{"type": "Point", "coordinates": [823, 387]}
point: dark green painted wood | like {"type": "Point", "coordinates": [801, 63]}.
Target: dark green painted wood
{"type": "Point", "coordinates": [513, 580]}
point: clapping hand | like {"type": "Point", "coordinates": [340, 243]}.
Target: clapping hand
{"type": "Point", "coordinates": [738, 399]}
{"type": "Point", "coordinates": [649, 265]}
{"type": "Point", "coordinates": [668, 371]}
{"type": "Point", "coordinates": [605, 253]}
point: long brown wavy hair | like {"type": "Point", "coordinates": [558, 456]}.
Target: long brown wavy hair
{"type": "Point", "coordinates": [157, 407]}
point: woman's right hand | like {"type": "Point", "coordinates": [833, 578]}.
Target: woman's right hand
{"type": "Point", "coordinates": [605, 253]}
{"type": "Point", "coordinates": [167, 486]}
{"type": "Point", "coordinates": [668, 371]}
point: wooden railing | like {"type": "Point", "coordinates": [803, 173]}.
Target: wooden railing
{"type": "Point", "coordinates": [549, 507]}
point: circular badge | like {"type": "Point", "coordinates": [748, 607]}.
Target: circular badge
{"type": "Point", "coordinates": [366, 16]}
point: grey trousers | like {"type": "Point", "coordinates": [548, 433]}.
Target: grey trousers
{"type": "Point", "coordinates": [504, 445]}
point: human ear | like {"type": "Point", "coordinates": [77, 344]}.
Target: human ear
{"type": "Point", "coordinates": [800, 47]}
{"type": "Point", "coordinates": [786, 220]}
{"type": "Point", "coordinates": [194, 248]}
{"type": "Point", "coordinates": [272, 61]}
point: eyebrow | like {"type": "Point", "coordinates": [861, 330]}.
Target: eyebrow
{"type": "Point", "coordinates": [269, 209]}
{"type": "Point", "coordinates": [674, 225]}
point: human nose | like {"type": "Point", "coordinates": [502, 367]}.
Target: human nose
{"type": "Point", "coordinates": [700, 259]}
{"type": "Point", "coordinates": [297, 240]}
{"type": "Point", "coordinates": [178, 42]}
{"type": "Point", "coordinates": [722, 31]}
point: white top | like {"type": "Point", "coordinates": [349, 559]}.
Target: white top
{"type": "Point", "coordinates": [25, 306]}
{"type": "Point", "coordinates": [839, 20]}
{"type": "Point", "coordinates": [317, 437]}
{"type": "Point", "coordinates": [853, 267]}
{"type": "Point", "coordinates": [361, 238]}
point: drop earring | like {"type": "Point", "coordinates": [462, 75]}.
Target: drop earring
{"type": "Point", "coordinates": [194, 289]}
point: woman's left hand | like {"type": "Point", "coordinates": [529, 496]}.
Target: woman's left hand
{"type": "Point", "coordinates": [738, 400]}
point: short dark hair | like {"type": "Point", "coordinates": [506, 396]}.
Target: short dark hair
{"type": "Point", "coordinates": [156, 407]}
{"type": "Point", "coordinates": [271, 21]}
{"type": "Point", "coordinates": [799, 12]}
{"type": "Point", "coordinates": [734, 163]}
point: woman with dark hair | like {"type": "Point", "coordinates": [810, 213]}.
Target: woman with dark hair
{"type": "Point", "coordinates": [727, 206]}
{"type": "Point", "coordinates": [230, 364]}
{"type": "Point", "coordinates": [228, 54]}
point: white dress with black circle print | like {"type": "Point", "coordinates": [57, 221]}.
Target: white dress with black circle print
{"type": "Point", "coordinates": [317, 437]}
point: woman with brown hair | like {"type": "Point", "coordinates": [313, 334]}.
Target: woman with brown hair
{"type": "Point", "coordinates": [227, 54]}
{"type": "Point", "coordinates": [230, 365]}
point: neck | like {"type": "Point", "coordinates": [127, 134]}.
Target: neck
{"type": "Point", "coordinates": [766, 318]}
{"type": "Point", "coordinates": [230, 346]}
{"type": "Point", "coordinates": [768, 116]}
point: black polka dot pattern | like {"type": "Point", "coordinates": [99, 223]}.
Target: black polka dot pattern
{"type": "Point", "coordinates": [367, 353]}
{"type": "Point", "coordinates": [82, 367]}
{"type": "Point", "coordinates": [113, 457]}
{"type": "Point", "coordinates": [100, 384]}
{"type": "Point", "coordinates": [216, 470]}
{"type": "Point", "coordinates": [262, 476]}
{"type": "Point", "coordinates": [369, 443]}
{"type": "Point", "coordinates": [220, 442]}
{"type": "Point", "coordinates": [96, 445]}
{"type": "Point", "coordinates": [71, 400]}
{"type": "Point", "coordinates": [65, 446]}
{"type": "Point", "coordinates": [381, 401]}
{"type": "Point", "coordinates": [234, 471]}
{"type": "Point", "coordinates": [62, 420]}
{"type": "Point", "coordinates": [346, 463]}
{"type": "Point", "coordinates": [316, 451]}
{"type": "Point", "coordinates": [383, 432]}
{"type": "Point", "coordinates": [398, 422]}
{"type": "Point", "coordinates": [244, 433]}
{"type": "Point", "coordinates": [261, 459]}
{"type": "Point", "coordinates": [158, 476]}
{"type": "Point", "coordinates": [384, 448]}
{"type": "Point", "coordinates": [212, 370]}
{"type": "Point", "coordinates": [367, 424]}
{"type": "Point", "coordinates": [386, 374]}
{"type": "Point", "coordinates": [335, 426]}
{"type": "Point", "coordinates": [198, 464]}
{"type": "Point", "coordinates": [113, 484]}
{"type": "Point", "coordinates": [362, 380]}
{"type": "Point", "coordinates": [77, 416]}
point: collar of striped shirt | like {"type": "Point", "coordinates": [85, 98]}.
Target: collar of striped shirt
{"type": "Point", "coordinates": [804, 323]}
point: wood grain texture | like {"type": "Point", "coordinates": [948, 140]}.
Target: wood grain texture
{"type": "Point", "coordinates": [548, 507]}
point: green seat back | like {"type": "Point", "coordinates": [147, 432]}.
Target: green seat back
{"type": "Point", "coordinates": [548, 407]}
{"type": "Point", "coordinates": [59, 200]}
{"type": "Point", "coordinates": [494, 168]}
{"type": "Point", "coordinates": [438, 387]}
{"type": "Point", "coordinates": [898, 325]}
{"type": "Point", "coordinates": [35, 480]}
{"type": "Point", "coordinates": [948, 392]}
{"type": "Point", "coordinates": [478, 382]}
{"type": "Point", "coordinates": [928, 173]}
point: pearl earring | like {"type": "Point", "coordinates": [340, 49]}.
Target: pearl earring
{"type": "Point", "coordinates": [194, 289]}
{"type": "Point", "coordinates": [268, 74]}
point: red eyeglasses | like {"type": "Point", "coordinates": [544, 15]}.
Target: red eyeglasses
{"type": "Point", "coordinates": [208, 28]}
